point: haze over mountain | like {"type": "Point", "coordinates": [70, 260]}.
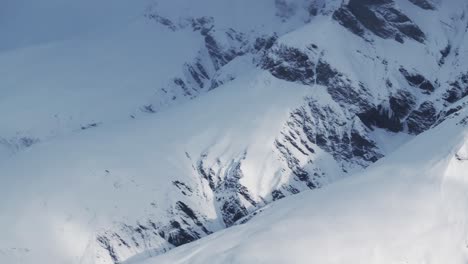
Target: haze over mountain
{"type": "Point", "coordinates": [267, 131]}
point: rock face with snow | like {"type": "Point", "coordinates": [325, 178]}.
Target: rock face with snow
{"type": "Point", "coordinates": [182, 118]}
{"type": "Point", "coordinates": [414, 212]}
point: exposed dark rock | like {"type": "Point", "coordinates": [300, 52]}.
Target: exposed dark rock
{"type": "Point", "coordinates": [181, 84]}
{"type": "Point", "coordinates": [265, 43]}
{"type": "Point", "coordinates": [28, 141]}
{"type": "Point", "coordinates": [222, 46]}
{"type": "Point", "coordinates": [292, 141]}
{"type": "Point", "coordinates": [413, 79]}
{"type": "Point", "coordinates": [422, 119]}
{"type": "Point", "coordinates": [277, 194]}
{"type": "Point", "coordinates": [362, 147]}
{"type": "Point", "coordinates": [88, 126]}
{"type": "Point", "coordinates": [192, 215]}
{"type": "Point", "coordinates": [458, 89]}
{"type": "Point", "coordinates": [233, 210]}
{"type": "Point", "coordinates": [206, 174]}
{"type": "Point", "coordinates": [347, 95]}
{"type": "Point", "coordinates": [410, 30]}
{"type": "Point", "coordinates": [424, 4]}
{"type": "Point", "coordinates": [183, 187]}
{"type": "Point", "coordinates": [294, 165]}
{"type": "Point", "coordinates": [313, 10]}
{"type": "Point", "coordinates": [215, 82]}
{"type": "Point", "coordinates": [185, 226]}
{"type": "Point", "coordinates": [325, 73]}
{"type": "Point", "coordinates": [198, 74]}
{"type": "Point", "coordinates": [184, 208]}
{"type": "Point", "coordinates": [379, 17]}
{"type": "Point", "coordinates": [222, 55]}
{"type": "Point", "coordinates": [334, 134]}
{"type": "Point", "coordinates": [249, 217]}
{"type": "Point", "coordinates": [453, 110]}
{"type": "Point", "coordinates": [148, 109]}
{"type": "Point", "coordinates": [290, 64]}
{"type": "Point", "coordinates": [445, 52]}
{"type": "Point", "coordinates": [450, 112]}
{"type": "Point", "coordinates": [381, 117]}
{"type": "Point", "coordinates": [364, 11]}
{"type": "Point", "coordinates": [202, 24]}
{"type": "Point", "coordinates": [463, 122]}
{"type": "Point", "coordinates": [417, 80]}
{"type": "Point", "coordinates": [427, 86]}
{"type": "Point", "coordinates": [163, 21]}
{"type": "Point", "coordinates": [341, 88]}
{"type": "Point", "coordinates": [292, 190]}
{"type": "Point", "coordinates": [227, 189]}
{"type": "Point", "coordinates": [179, 236]}
{"type": "Point", "coordinates": [105, 243]}
{"type": "Point", "coordinates": [349, 21]}
{"type": "Point", "coordinates": [401, 103]}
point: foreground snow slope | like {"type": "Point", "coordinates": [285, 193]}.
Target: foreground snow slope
{"type": "Point", "coordinates": [409, 207]}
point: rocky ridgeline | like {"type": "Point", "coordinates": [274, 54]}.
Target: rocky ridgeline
{"type": "Point", "coordinates": [381, 17]}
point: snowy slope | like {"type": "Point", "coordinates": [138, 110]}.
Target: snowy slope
{"type": "Point", "coordinates": [409, 207]}
{"type": "Point", "coordinates": [148, 156]}
{"type": "Point", "coordinates": [104, 62]}
{"type": "Point", "coordinates": [129, 129]}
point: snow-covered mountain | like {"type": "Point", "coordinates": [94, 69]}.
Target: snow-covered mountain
{"type": "Point", "coordinates": [409, 207]}
{"type": "Point", "coordinates": [134, 127]}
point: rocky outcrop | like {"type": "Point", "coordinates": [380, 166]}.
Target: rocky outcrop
{"type": "Point", "coordinates": [424, 4]}
{"type": "Point", "coordinates": [153, 238]}
{"type": "Point", "coordinates": [422, 119]}
{"type": "Point", "coordinates": [380, 17]}
{"type": "Point", "coordinates": [458, 89]}
{"type": "Point", "coordinates": [221, 46]}
{"type": "Point", "coordinates": [289, 63]}
{"type": "Point", "coordinates": [417, 80]}
{"type": "Point", "coordinates": [347, 19]}
{"type": "Point", "coordinates": [232, 198]}
{"type": "Point", "coordinates": [332, 130]}
{"type": "Point", "coordinates": [390, 114]}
